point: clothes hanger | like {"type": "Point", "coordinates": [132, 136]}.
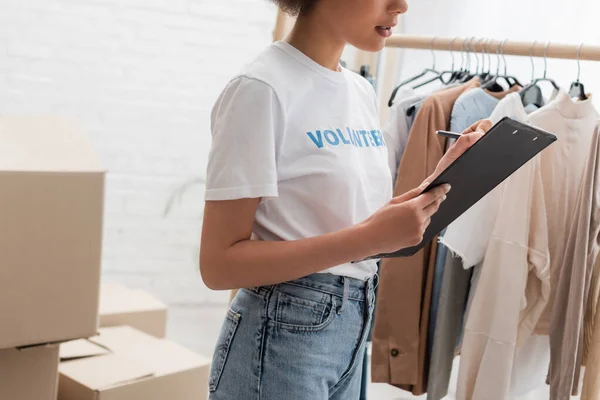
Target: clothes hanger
{"type": "Point", "coordinates": [545, 79]}
{"type": "Point", "coordinates": [488, 42]}
{"type": "Point", "coordinates": [484, 53]}
{"type": "Point", "coordinates": [414, 78]}
{"type": "Point", "coordinates": [493, 85]}
{"type": "Point", "coordinates": [494, 80]}
{"type": "Point", "coordinates": [491, 82]}
{"type": "Point", "coordinates": [491, 76]}
{"type": "Point", "coordinates": [468, 75]}
{"type": "Point", "coordinates": [510, 80]}
{"type": "Point", "coordinates": [577, 89]}
{"type": "Point", "coordinates": [461, 72]}
{"type": "Point", "coordinates": [455, 73]}
{"type": "Point", "coordinates": [532, 94]}
{"type": "Point", "coordinates": [476, 55]}
{"type": "Point", "coordinates": [483, 75]}
{"type": "Point", "coordinates": [440, 76]}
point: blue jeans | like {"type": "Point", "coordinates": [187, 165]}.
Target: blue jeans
{"type": "Point", "coordinates": [299, 340]}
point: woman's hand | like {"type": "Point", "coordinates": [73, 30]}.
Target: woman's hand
{"type": "Point", "coordinates": [402, 222]}
{"type": "Point", "coordinates": [469, 138]}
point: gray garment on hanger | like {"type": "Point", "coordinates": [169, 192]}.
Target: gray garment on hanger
{"type": "Point", "coordinates": [451, 281]}
{"type": "Point", "coordinates": [448, 324]}
{"type": "Point", "coordinates": [440, 262]}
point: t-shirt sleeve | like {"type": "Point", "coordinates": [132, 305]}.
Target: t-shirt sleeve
{"type": "Point", "coordinates": [246, 124]}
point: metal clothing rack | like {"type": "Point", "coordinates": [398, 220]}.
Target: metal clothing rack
{"type": "Point", "coordinates": [507, 47]}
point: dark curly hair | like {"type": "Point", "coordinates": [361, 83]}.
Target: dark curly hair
{"type": "Point", "coordinates": [295, 7]}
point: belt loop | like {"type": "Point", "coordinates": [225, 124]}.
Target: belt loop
{"type": "Point", "coordinates": [371, 287]}
{"type": "Point", "coordinates": [269, 288]}
{"type": "Point", "coordinates": [345, 296]}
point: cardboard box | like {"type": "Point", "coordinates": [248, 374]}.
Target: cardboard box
{"type": "Point", "coordinates": [29, 374]}
{"type": "Point", "coordinates": [50, 242]}
{"type": "Point", "coordinates": [120, 305]}
{"type": "Point", "coordinates": [122, 363]}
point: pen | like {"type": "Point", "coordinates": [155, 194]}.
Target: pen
{"type": "Point", "coordinates": [451, 135]}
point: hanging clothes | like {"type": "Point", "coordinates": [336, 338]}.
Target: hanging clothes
{"type": "Point", "coordinates": [401, 323]}
{"type": "Point", "coordinates": [593, 299]}
{"type": "Point", "coordinates": [443, 336]}
{"type": "Point", "coordinates": [475, 105]}
{"type": "Point", "coordinates": [449, 320]}
{"type": "Point", "coordinates": [554, 181]}
{"type": "Point", "coordinates": [591, 383]}
{"type": "Point", "coordinates": [569, 194]}
{"type": "Point", "coordinates": [572, 278]}
{"type": "Point", "coordinates": [530, 363]}
{"type": "Point", "coordinates": [503, 313]}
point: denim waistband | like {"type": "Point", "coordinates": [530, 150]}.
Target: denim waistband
{"type": "Point", "coordinates": [342, 286]}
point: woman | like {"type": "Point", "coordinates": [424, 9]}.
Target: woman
{"type": "Point", "coordinates": [298, 195]}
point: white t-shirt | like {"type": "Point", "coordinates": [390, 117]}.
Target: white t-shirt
{"type": "Point", "coordinates": [306, 140]}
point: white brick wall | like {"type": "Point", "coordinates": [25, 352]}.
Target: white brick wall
{"type": "Point", "coordinates": [141, 75]}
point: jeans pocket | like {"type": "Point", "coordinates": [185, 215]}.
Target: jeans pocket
{"type": "Point", "coordinates": [228, 329]}
{"type": "Point", "coordinates": [294, 313]}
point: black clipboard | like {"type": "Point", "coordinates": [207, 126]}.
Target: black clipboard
{"type": "Point", "coordinates": [505, 148]}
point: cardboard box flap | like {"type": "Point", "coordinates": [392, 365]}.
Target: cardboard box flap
{"type": "Point", "coordinates": [99, 373]}
{"type": "Point", "coordinates": [116, 299]}
{"type": "Point", "coordinates": [163, 356]}
{"type": "Point", "coordinates": [80, 349]}
{"type": "Point", "coordinates": [45, 143]}
{"type": "Point", "coordinates": [125, 340]}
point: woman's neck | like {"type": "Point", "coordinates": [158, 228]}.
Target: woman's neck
{"type": "Point", "coordinates": [314, 37]}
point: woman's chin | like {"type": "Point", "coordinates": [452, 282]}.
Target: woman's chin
{"type": "Point", "coordinates": [372, 45]}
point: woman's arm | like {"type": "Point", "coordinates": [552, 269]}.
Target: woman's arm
{"type": "Point", "coordinates": [230, 260]}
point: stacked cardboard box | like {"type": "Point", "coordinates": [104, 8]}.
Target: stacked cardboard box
{"type": "Point", "coordinates": [129, 358]}
{"type": "Point", "coordinates": [124, 363]}
{"type": "Point", "coordinates": [120, 305]}
{"type": "Point", "coordinates": [29, 373]}
{"type": "Point", "coordinates": [50, 245]}
{"type": "Point", "coordinates": [50, 255]}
